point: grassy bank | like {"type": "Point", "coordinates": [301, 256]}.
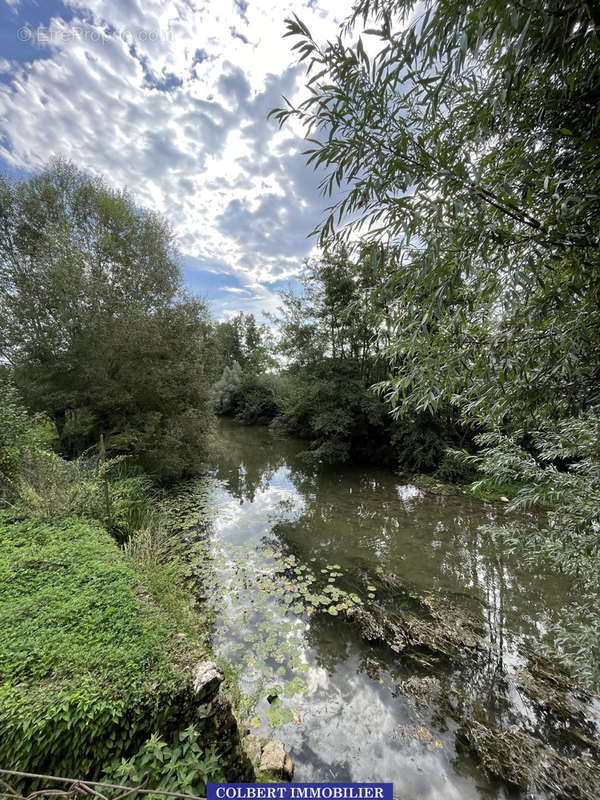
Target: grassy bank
{"type": "Point", "coordinates": [100, 629]}
{"type": "Point", "coordinates": [92, 663]}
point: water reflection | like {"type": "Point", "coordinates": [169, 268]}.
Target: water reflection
{"type": "Point", "coordinates": [360, 716]}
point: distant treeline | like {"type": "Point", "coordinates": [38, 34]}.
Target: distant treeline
{"type": "Point", "coordinates": [98, 334]}
{"type": "Point", "coordinates": [314, 375]}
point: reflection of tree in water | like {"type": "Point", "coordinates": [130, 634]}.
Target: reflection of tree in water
{"type": "Point", "coordinates": [363, 520]}
{"type": "Point", "coordinates": [435, 552]}
{"type": "Point", "coordinates": [248, 458]}
{"type": "Point", "coordinates": [432, 543]}
{"type": "Point", "coordinates": [363, 516]}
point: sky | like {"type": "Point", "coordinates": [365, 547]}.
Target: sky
{"type": "Point", "coordinates": [169, 100]}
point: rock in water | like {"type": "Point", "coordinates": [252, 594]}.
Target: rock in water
{"type": "Point", "coordinates": [276, 761]}
{"type": "Point", "coordinates": [213, 718]}
{"type": "Point", "coordinates": [253, 747]}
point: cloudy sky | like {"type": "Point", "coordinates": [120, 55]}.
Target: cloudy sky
{"type": "Point", "coordinates": [169, 99]}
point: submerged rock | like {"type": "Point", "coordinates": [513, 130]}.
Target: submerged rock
{"type": "Point", "coordinates": [421, 691]}
{"type": "Point", "coordinates": [531, 726]}
{"type": "Point", "coordinates": [532, 765]}
{"type": "Point", "coordinates": [439, 633]}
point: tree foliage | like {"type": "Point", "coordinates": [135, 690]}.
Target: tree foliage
{"type": "Point", "coordinates": [466, 153]}
{"type": "Point", "coordinates": [94, 323]}
{"type": "Point", "coordinates": [246, 389]}
{"type": "Point", "coordinates": [243, 341]}
{"type": "Point", "coordinates": [336, 314]}
{"type": "Point", "coordinates": [461, 147]}
{"type": "Point", "coordinates": [331, 337]}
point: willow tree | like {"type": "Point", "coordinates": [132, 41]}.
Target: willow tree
{"type": "Point", "coordinates": [460, 145]}
{"type": "Point", "coordinates": [94, 324]}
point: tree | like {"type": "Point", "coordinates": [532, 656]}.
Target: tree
{"type": "Point", "coordinates": [246, 389]}
{"type": "Point", "coordinates": [329, 335]}
{"type": "Point", "coordinates": [467, 148]}
{"type": "Point", "coordinates": [336, 314]}
{"type": "Point", "coordinates": [240, 340]}
{"type": "Point", "coordinates": [227, 387]}
{"type": "Point", "coordinates": [95, 325]}
{"type": "Point", "coordinates": [465, 152]}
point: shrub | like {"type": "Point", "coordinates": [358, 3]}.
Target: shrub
{"type": "Point", "coordinates": [23, 438]}
{"type": "Point", "coordinates": [183, 766]}
{"type": "Point", "coordinates": [34, 476]}
{"type": "Point", "coordinates": [258, 399]}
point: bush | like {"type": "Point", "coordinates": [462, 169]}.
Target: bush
{"type": "Point", "coordinates": [23, 438]}
{"type": "Point", "coordinates": [258, 400]}
{"type": "Point", "coordinates": [250, 398]}
{"type": "Point", "coordinates": [180, 767]}
{"type": "Point", "coordinates": [332, 406]}
{"type": "Point", "coordinates": [422, 442]}
{"type": "Point", "coordinates": [454, 469]}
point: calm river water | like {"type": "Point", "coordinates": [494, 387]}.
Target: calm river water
{"type": "Point", "coordinates": [344, 708]}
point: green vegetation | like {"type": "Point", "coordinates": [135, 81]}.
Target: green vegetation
{"type": "Point", "coordinates": [461, 155]}
{"type": "Point", "coordinates": [328, 337]}
{"type": "Point", "coordinates": [180, 767]}
{"type": "Point", "coordinates": [326, 340]}
{"type": "Point", "coordinates": [244, 389]}
{"type": "Point", "coordinates": [450, 325]}
{"type": "Point", "coordinates": [90, 662]}
{"type": "Point", "coordinates": [95, 326]}
{"type": "Point", "coordinates": [98, 641]}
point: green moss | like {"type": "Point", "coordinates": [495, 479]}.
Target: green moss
{"type": "Point", "coordinates": [89, 660]}
{"type": "Point", "coordinates": [487, 489]}
{"type": "Point", "coordinates": [483, 489]}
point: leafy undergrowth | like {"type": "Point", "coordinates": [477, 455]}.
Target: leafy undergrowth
{"type": "Point", "coordinates": [182, 766]}
{"type": "Point", "coordinates": [91, 661]}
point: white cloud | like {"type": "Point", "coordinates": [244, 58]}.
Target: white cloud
{"type": "Point", "coordinates": [170, 100]}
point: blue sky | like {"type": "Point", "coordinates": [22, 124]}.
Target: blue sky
{"type": "Point", "coordinates": [169, 100]}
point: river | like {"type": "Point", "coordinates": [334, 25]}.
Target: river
{"type": "Point", "coordinates": [288, 542]}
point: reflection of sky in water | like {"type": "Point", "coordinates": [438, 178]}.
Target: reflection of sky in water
{"type": "Point", "coordinates": [352, 722]}
{"type": "Point", "coordinates": [240, 520]}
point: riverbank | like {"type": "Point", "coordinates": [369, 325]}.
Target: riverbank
{"type": "Point", "coordinates": [366, 619]}
{"type": "Point", "coordinates": [104, 650]}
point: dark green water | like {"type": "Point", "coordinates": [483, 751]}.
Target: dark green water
{"type": "Point", "coordinates": [355, 717]}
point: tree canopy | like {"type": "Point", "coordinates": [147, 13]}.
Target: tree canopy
{"type": "Point", "coordinates": [466, 154]}
{"type": "Point", "coordinates": [331, 335]}
{"type": "Point", "coordinates": [94, 322]}
{"type": "Point", "coordinates": [460, 144]}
